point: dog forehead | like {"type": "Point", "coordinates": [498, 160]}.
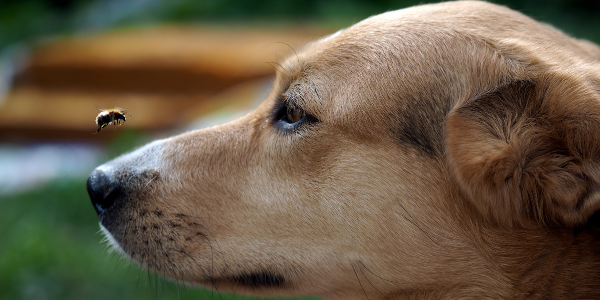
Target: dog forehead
{"type": "Point", "coordinates": [379, 51]}
{"type": "Point", "coordinates": [395, 70]}
{"type": "Point", "coordinates": [365, 67]}
{"type": "Point", "coordinates": [429, 51]}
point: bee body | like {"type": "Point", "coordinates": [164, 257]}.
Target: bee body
{"type": "Point", "coordinates": [114, 116]}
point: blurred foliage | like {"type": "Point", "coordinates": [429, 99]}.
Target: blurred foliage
{"type": "Point", "coordinates": [25, 19]}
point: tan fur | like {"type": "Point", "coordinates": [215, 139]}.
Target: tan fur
{"type": "Point", "coordinates": [454, 153]}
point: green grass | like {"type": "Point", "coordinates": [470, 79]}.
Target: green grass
{"type": "Point", "coordinates": [50, 249]}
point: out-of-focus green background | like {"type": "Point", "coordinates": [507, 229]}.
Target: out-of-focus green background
{"type": "Point", "coordinates": [29, 18]}
{"type": "Point", "coordinates": [50, 247]}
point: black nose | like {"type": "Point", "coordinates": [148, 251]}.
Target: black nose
{"type": "Point", "coordinates": [102, 190]}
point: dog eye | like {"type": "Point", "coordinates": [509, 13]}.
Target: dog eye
{"type": "Point", "coordinates": [288, 116]}
{"type": "Point", "coordinates": [293, 115]}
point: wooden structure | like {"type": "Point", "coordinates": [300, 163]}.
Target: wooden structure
{"type": "Point", "coordinates": [164, 76]}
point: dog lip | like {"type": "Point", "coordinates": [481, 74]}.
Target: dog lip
{"type": "Point", "coordinates": [254, 280]}
{"type": "Point", "coordinates": [112, 241]}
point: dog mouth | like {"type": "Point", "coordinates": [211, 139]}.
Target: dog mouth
{"type": "Point", "coordinates": [250, 279]}
{"type": "Point", "coordinates": [171, 260]}
{"type": "Point", "coordinates": [256, 280]}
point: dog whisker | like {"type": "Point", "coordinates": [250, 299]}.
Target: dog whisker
{"type": "Point", "coordinates": [279, 58]}
{"type": "Point", "coordinates": [316, 92]}
{"type": "Point", "coordinates": [167, 262]}
{"type": "Point", "coordinates": [212, 250]}
{"type": "Point", "coordinates": [179, 215]}
{"type": "Point", "coordinates": [361, 286]}
{"type": "Point", "coordinates": [275, 65]}
{"type": "Point", "coordinates": [118, 263]}
{"type": "Point", "coordinates": [363, 274]}
{"type": "Point", "coordinates": [295, 53]}
{"type": "Point", "coordinates": [152, 179]}
{"type": "Point", "coordinates": [182, 251]}
{"type": "Point", "coordinates": [138, 279]}
{"type": "Point", "coordinates": [171, 263]}
{"type": "Point", "coordinates": [200, 235]}
{"type": "Point", "coordinates": [211, 278]}
{"type": "Point", "coordinates": [216, 242]}
{"type": "Point", "coordinates": [376, 274]}
{"type": "Point", "coordinates": [414, 222]}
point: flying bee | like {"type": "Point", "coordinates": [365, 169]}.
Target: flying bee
{"type": "Point", "coordinates": [115, 116]}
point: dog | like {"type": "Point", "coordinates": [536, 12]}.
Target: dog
{"type": "Point", "coordinates": [441, 151]}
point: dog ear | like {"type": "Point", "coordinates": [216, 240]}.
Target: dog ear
{"type": "Point", "coordinates": [530, 150]}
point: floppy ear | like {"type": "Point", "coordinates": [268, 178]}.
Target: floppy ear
{"type": "Point", "coordinates": [530, 150]}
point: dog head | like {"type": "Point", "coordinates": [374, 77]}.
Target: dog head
{"type": "Point", "coordinates": [390, 159]}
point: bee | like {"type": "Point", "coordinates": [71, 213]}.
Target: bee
{"type": "Point", "coordinates": [114, 116]}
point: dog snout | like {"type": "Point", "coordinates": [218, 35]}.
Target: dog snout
{"type": "Point", "coordinates": [103, 190]}
{"type": "Point", "coordinates": [112, 185]}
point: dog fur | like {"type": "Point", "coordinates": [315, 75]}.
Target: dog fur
{"type": "Point", "coordinates": [443, 151]}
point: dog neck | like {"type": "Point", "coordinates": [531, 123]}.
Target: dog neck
{"type": "Point", "coordinates": [548, 263]}
{"type": "Point", "coordinates": [542, 263]}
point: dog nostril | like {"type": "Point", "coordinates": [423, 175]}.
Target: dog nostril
{"type": "Point", "coordinates": [102, 191]}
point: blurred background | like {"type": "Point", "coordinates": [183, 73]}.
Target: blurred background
{"type": "Point", "coordinates": [175, 65]}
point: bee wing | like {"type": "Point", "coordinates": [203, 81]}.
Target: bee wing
{"type": "Point", "coordinates": [118, 109]}
{"type": "Point", "coordinates": [122, 110]}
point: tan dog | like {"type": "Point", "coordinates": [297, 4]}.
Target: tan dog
{"type": "Point", "coordinates": [438, 152]}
